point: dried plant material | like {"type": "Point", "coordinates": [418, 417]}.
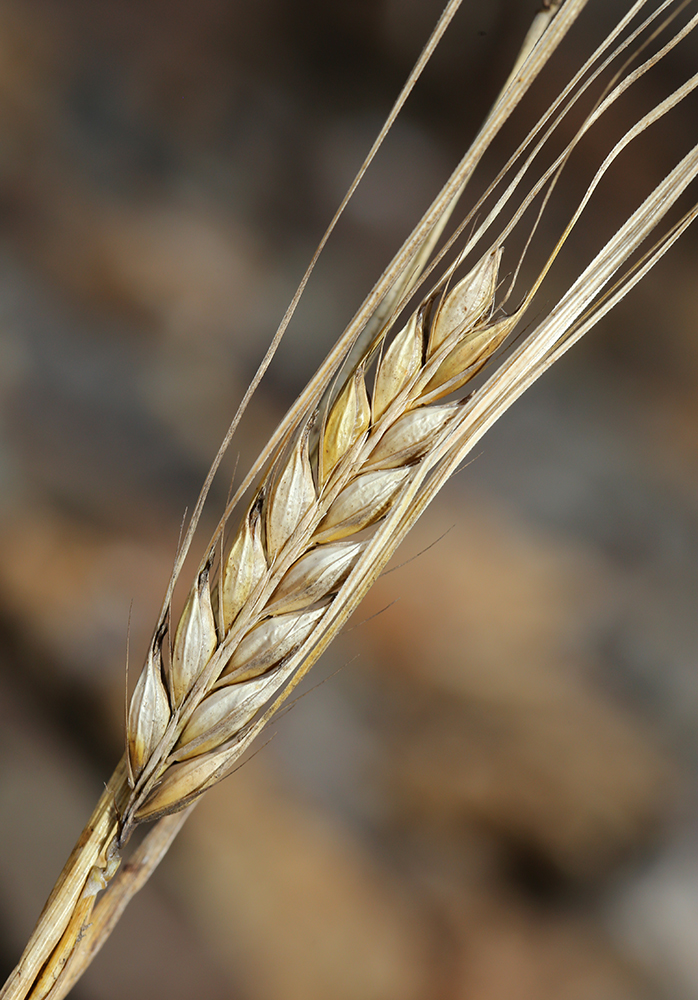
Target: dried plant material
{"type": "Point", "coordinates": [375, 466]}
{"type": "Point", "coordinates": [195, 640]}
{"type": "Point", "coordinates": [314, 577]}
{"type": "Point", "coordinates": [466, 358]}
{"type": "Point", "coordinates": [348, 421]}
{"type": "Point", "coordinates": [410, 436]}
{"type": "Point", "coordinates": [46, 952]}
{"type": "Point", "coordinates": [469, 303]}
{"type": "Point", "coordinates": [361, 504]}
{"type": "Point", "coordinates": [401, 362]}
{"type": "Point", "coordinates": [259, 639]}
{"type": "Point", "coordinates": [245, 566]}
{"type": "Point", "coordinates": [269, 643]}
{"type": "Point", "coordinates": [181, 784]}
{"type": "Point", "coordinates": [223, 713]}
{"type": "Point", "coordinates": [292, 493]}
{"type": "Point", "coordinates": [149, 713]}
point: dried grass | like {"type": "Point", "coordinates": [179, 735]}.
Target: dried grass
{"type": "Point", "coordinates": [363, 451]}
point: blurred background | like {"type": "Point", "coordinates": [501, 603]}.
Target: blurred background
{"type": "Point", "coordinates": [489, 791]}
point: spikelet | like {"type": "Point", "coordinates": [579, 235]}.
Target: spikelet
{"type": "Point", "coordinates": [149, 712]}
{"type": "Point", "coordinates": [466, 358]}
{"type": "Point", "coordinates": [292, 493]}
{"type": "Point", "coordinates": [269, 643]}
{"type": "Point", "coordinates": [245, 566]}
{"type": "Point", "coordinates": [314, 576]}
{"type": "Point", "coordinates": [195, 640]}
{"type": "Point", "coordinates": [223, 713]}
{"type": "Point", "coordinates": [469, 303]}
{"type": "Point", "coordinates": [410, 437]}
{"type": "Point", "coordinates": [360, 504]}
{"type": "Point", "coordinates": [349, 420]}
{"type": "Point", "coordinates": [180, 784]}
{"type": "Point", "coordinates": [401, 361]}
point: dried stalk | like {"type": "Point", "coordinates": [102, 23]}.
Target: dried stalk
{"type": "Point", "coordinates": [356, 460]}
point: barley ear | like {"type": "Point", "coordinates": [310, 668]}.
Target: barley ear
{"type": "Point", "coordinates": [292, 577]}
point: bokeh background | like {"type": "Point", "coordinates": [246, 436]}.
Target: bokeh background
{"type": "Point", "coordinates": [491, 795]}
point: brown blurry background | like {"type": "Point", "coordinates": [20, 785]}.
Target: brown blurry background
{"type": "Point", "coordinates": [491, 796]}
